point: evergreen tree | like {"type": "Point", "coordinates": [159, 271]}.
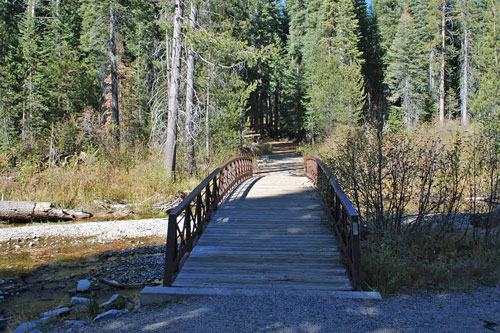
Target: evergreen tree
{"type": "Point", "coordinates": [486, 103]}
{"type": "Point", "coordinates": [335, 84]}
{"type": "Point", "coordinates": [33, 106]}
{"type": "Point", "coordinates": [404, 72]}
{"type": "Point", "coordinates": [10, 74]}
{"type": "Point", "coordinates": [387, 14]}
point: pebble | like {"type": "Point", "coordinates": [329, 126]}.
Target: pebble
{"type": "Point", "coordinates": [83, 285]}
{"type": "Point", "coordinates": [102, 231]}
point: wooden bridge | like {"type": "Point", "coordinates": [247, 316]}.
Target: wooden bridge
{"type": "Point", "coordinates": [278, 227]}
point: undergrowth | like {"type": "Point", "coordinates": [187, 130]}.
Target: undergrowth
{"type": "Point", "coordinates": [395, 262]}
{"type": "Point", "coordinates": [139, 181]}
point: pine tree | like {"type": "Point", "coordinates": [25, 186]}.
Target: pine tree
{"type": "Point", "coordinates": [387, 14]}
{"type": "Point", "coordinates": [404, 72]}
{"type": "Point", "coordinates": [335, 83]}
{"type": "Point", "coordinates": [98, 40]}
{"type": "Point", "coordinates": [372, 68]}
{"type": "Point", "coordinates": [486, 103]}
{"type": "Point", "coordinates": [33, 107]}
{"type": "Point", "coordinates": [10, 74]}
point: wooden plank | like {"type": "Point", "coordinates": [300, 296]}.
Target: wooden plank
{"type": "Point", "coordinates": [255, 277]}
{"type": "Point", "coordinates": [267, 286]}
{"type": "Point", "coordinates": [265, 268]}
{"type": "Point", "coordinates": [248, 253]}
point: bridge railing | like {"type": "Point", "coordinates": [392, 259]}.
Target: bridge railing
{"type": "Point", "coordinates": [342, 213]}
{"type": "Point", "coordinates": [189, 219]}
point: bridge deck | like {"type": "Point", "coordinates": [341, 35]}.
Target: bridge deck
{"type": "Point", "coordinates": [269, 233]}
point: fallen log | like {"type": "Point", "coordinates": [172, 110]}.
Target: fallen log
{"type": "Point", "coordinates": [27, 211]}
{"type": "Point", "coordinates": [116, 284]}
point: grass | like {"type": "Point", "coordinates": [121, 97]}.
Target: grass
{"type": "Point", "coordinates": [394, 263]}
{"type": "Point", "coordinates": [139, 183]}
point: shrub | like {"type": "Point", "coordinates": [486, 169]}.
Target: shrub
{"type": "Point", "coordinates": [426, 197]}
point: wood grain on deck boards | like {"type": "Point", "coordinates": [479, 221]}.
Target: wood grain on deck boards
{"type": "Point", "coordinates": [269, 233]}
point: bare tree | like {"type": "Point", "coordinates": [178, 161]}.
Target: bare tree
{"type": "Point", "coordinates": [173, 90]}
{"type": "Point", "coordinates": [442, 85]}
{"type": "Point", "coordinates": [115, 122]}
{"type": "Point", "coordinates": [465, 65]}
{"type": "Point", "coordinates": [191, 61]}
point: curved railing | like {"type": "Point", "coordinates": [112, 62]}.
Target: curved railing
{"type": "Point", "coordinates": [343, 215]}
{"type": "Point", "coordinates": [189, 219]}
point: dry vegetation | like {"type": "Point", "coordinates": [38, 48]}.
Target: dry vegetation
{"type": "Point", "coordinates": [137, 180]}
{"type": "Point", "coordinates": [428, 198]}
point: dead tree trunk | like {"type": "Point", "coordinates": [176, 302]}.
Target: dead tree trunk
{"type": "Point", "coordinates": [26, 211]}
{"type": "Point", "coordinates": [173, 91]}
{"type": "Point", "coordinates": [464, 89]}
{"type": "Point", "coordinates": [207, 122]}
{"type": "Point", "coordinates": [114, 76]}
{"type": "Point", "coordinates": [442, 86]}
{"type": "Point", "coordinates": [191, 61]}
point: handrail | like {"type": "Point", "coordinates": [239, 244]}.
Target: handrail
{"type": "Point", "coordinates": [189, 219]}
{"type": "Point", "coordinates": [343, 215]}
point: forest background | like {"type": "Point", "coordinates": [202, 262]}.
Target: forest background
{"type": "Point", "coordinates": [109, 100]}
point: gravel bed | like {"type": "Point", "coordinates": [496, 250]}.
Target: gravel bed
{"type": "Point", "coordinates": [305, 312]}
{"type": "Point", "coordinates": [102, 231]}
{"type": "Point", "coordinates": [134, 266]}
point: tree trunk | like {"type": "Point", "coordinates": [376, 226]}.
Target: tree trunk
{"type": "Point", "coordinates": [173, 91]}
{"type": "Point", "coordinates": [191, 163]}
{"type": "Point", "coordinates": [114, 76]}
{"type": "Point", "coordinates": [207, 122]}
{"type": "Point", "coordinates": [26, 211]}
{"type": "Point", "coordinates": [464, 89]}
{"type": "Point", "coordinates": [442, 86]}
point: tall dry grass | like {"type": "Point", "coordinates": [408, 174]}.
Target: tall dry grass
{"type": "Point", "coordinates": [141, 182]}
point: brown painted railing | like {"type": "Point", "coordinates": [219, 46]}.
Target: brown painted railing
{"type": "Point", "coordinates": [343, 215]}
{"type": "Point", "coordinates": [189, 219]}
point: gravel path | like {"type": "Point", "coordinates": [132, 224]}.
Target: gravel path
{"type": "Point", "coordinates": [420, 312]}
{"type": "Point", "coordinates": [101, 231]}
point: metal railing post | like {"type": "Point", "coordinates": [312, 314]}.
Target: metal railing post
{"type": "Point", "coordinates": [171, 253]}
{"type": "Point", "coordinates": [344, 217]}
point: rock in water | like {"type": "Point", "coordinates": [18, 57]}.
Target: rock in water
{"type": "Point", "coordinates": [79, 300]}
{"type": "Point", "coordinates": [27, 327]}
{"type": "Point", "coordinates": [110, 314]}
{"type": "Point", "coordinates": [83, 285]}
{"type": "Point", "coordinates": [54, 313]}
{"type": "Point", "coordinates": [111, 301]}
{"type": "Point", "coordinates": [75, 323]}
